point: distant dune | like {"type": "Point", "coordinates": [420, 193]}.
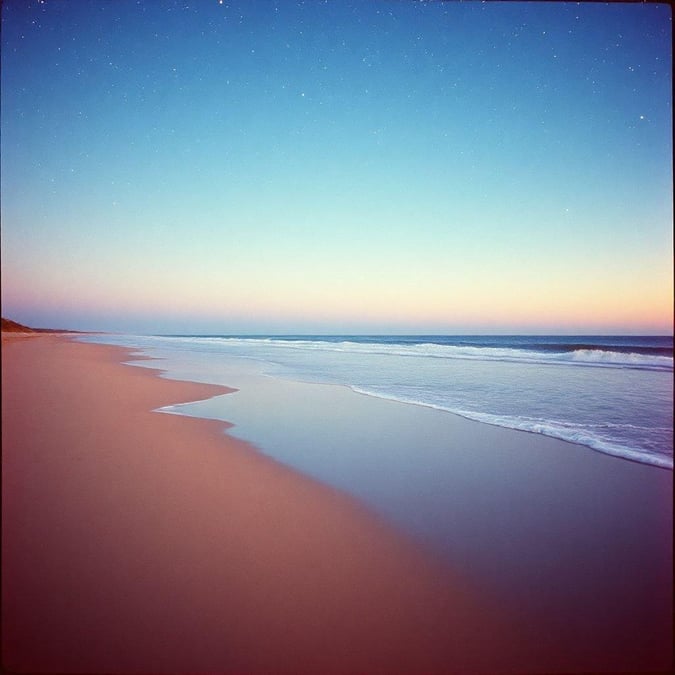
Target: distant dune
{"type": "Point", "coordinates": [9, 326]}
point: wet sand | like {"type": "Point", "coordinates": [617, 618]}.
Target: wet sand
{"type": "Point", "coordinates": [139, 542]}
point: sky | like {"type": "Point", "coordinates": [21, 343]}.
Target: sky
{"type": "Point", "coordinates": [384, 166]}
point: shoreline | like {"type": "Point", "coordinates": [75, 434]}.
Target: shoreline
{"type": "Point", "coordinates": [465, 418]}
{"type": "Point", "coordinates": [135, 542]}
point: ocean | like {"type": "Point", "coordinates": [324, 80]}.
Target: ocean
{"type": "Point", "coordinates": [611, 394]}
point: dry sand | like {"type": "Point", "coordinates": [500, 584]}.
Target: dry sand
{"type": "Point", "coordinates": [140, 542]}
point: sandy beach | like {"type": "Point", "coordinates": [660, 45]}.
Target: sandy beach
{"type": "Point", "coordinates": [139, 542]}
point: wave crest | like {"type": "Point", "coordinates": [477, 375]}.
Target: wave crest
{"type": "Point", "coordinates": [599, 358]}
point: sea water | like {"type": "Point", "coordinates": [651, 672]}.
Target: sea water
{"type": "Point", "coordinates": [612, 394]}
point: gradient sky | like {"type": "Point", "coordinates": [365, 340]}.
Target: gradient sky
{"type": "Point", "coordinates": [384, 166]}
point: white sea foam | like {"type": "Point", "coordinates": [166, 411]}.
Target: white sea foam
{"type": "Point", "coordinates": [580, 434]}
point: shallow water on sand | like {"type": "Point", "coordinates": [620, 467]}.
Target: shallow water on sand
{"type": "Point", "coordinates": [611, 394]}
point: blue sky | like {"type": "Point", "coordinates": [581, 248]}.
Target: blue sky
{"type": "Point", "coordinates": [337, 166]}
